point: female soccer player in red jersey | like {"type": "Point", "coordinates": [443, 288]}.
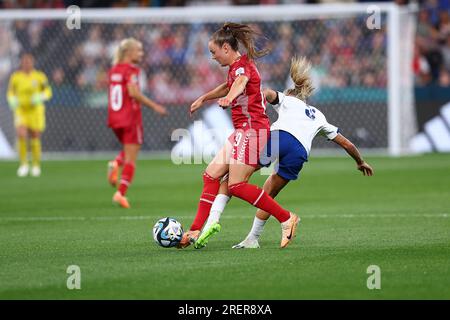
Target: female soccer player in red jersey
{"type": "Point", "coordinates": [124, 114]}
{"type": "Point", "coordinates": [239, 157]}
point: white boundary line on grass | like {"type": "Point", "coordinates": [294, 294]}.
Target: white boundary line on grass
{"type": "Point", "coordinates": [316, 216]}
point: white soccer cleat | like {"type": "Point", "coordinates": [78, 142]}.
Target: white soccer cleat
{"type": "Point", "coordinates": [36, 171]}
{"type": "Point", "coordinates": [247, 244]}
{"type": "Point", "coordinates": [23, 170]}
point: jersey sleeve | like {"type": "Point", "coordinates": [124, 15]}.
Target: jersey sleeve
{"type": "Point", "coordinates": [328, 130]}
{"type": "Point", "coordinates": [46, 88]}
{"type": "Point", "coordinates": [12, 86]}
{"type": "Point", "coordinates": [132, 77]}
{"type": "Point", "coordinates": [242, 70]}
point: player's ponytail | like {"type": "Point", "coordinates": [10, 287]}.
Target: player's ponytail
{"type": "Point", "coordinates": [235, 33]}
{"type": "Point", "coordinates": [303, 87]}
{"type": "Point", "coordinates": [123, 47]}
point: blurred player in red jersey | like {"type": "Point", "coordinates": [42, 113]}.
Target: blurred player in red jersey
{"type": "Point", "coordinates": [240, 155]}
{"type": "Point", "coordinates": [124, 114]}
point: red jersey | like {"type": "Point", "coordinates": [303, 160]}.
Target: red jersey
{"type": "Point", "coordinates": [248, 110]}
{"type": "Point", "coordinates": [123, 110]}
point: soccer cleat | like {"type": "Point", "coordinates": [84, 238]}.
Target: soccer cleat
{"type": "Point", "coordinates": [188, 238]}
{"type": "Point", "coordinates": [23, 170]}
{"type": "Point", "coordinates": [206, 234]}
{"type": "Point", "coordinates": [113, 173]}
{"type": "Point", "coordinates": [121, 200]}
{"type": "Point", "coordinates": [36, 171]}
{"type": "Point", "coordinates": [247, 244]}
{"type": "Point", "coordinates": [288, 229]}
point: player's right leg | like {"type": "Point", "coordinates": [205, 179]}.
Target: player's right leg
{"type": "Point", "coordinates": [217, 168]}
{"type": "Point", "coordinates": [36, 126]}
{"type": "Point", "coordinates": [22, 147]}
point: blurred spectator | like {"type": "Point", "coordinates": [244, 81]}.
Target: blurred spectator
{"type": "Point", "coordinates": [443, 26]}
{"type": "Point", "coordinates": [179, 66]}
{"type": "Point", "coordinates": [444, 78]}
{"type": "Point", "coordinates": [421, 67]}
{"type": "Point", "coordinates": [446, 53]}
{"type": "Point", "coordinates": [93, 47]}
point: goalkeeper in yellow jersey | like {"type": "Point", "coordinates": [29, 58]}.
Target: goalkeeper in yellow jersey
{"type": "Point", "coordinates": [28, 90]}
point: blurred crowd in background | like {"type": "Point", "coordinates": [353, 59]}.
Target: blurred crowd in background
{"type": "Point", "coordinates": [178, 68]}
{"type": "Point", "coordinates": [162, 3]}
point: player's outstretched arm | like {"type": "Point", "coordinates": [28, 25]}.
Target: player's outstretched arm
{"type": "Point", "coordinates": [218, 92]}
{"type": "Point", "coordinates": [351, 149]}
{"type": "Point", "coordinates": [135, 93]}
{"type": "Point", "coordinates": [236, 89]}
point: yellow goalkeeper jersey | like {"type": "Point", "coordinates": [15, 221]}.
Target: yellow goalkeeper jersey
{"type": "Point", "coordinates": [25, 86]}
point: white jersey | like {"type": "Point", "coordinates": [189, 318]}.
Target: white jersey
{"type": "Point", "coordinates": [304, 122]}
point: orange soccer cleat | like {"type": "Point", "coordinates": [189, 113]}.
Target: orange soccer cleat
{"type": "Point", "coordinates": [189, 237]}
{"type": "Point", "coordinates": [288, 229]}
{"type": "Point", "coordinates": [121, 200]}
{"type": "Point", "coordinates": [113, 173]}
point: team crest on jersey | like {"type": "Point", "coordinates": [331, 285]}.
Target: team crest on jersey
{"type": "Point", "coordinates": [239, 71]}
{"type": "Point", "coordinates": [134, 78]}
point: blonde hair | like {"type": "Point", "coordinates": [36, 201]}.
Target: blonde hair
{"type": "Point", "coordinates": [303, 88]}
{"type": "Point", "coordinates": [123, 47]}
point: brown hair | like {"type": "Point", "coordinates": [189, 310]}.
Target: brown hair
{"type": "Point", "coordinates": [300, 76]}
{"type": "Point", "coordinates": [235, 33]}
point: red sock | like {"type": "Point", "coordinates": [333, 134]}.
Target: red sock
{"type": "Point", "coordinates": [260, 199]}
{"type": "Point", "coordinates": [120, 158]}
{"type": "Point", "coordinates": [127, 177]}
{"type": "Point", "coordinates": [210, 189]}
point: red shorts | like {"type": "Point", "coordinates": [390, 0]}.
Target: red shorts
{"type": "Point", "coordinates": [130, 135]}
{"type": "Point", "coordinates": [248, 144]}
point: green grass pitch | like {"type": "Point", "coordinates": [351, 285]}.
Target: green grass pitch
{"type": "Point", "coordinates": [398, 219]}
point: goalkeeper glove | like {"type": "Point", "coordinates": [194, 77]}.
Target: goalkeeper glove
{"type": "Point", "coordinates": [13, 102]}
{"type": "Point", "coordinates": [37, 99]}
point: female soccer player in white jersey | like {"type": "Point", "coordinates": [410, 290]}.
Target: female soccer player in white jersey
{"type": "Point", "coordinates": [240, 155]}
{"type": "Point", "coordinates": [291, 138]}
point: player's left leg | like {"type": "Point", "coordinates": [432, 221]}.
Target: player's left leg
{"type": "Point", "coordinates": [36, 125]}
{"type": "Point", "coordinates": [114, 168]}
{"type": "Point", "coordinates": [21, 120]}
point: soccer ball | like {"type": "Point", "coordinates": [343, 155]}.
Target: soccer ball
{"type": "Point", "coordinates": [167, 232]}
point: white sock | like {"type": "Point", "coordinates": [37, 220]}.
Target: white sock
{"type": "Point", "coordinates": [257, 229]}
{"type": "Point", "coordinates": [217, 208]}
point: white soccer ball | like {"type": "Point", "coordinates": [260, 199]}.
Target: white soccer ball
{"type": "Point", "coordinates": [167, 232]}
